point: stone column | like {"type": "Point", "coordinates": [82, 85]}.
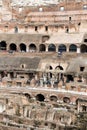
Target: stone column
{"type": "Point", "coordinates": [27, 49]}
{"type": "Point", "coordinates": [59, 76]}
{"type": "Point", "coordinates": [18, 48]}
{"type": "Point", "coordinates": [52, 82]}
{"type": "Point", "coordinates": [7, 47]}
{"type": "Point", "coordinates": [25, 112]}
{"type": "Point", "coordinates": [67, 49]}
{"type": "Point", "coordinates": [78, 49]}
{"type": "Point", "coordinates": [45, 77]}
{"type": "Point", "coordinates": [46, 48]}
{"type": "Point", "coordinates": [56, 48]}
{"type": "Point", "coordinates": [37, 50]}
{"type": "Point", "coordinates": [8, 75]}
{"type": "Point", "coordinates": [41, 82]}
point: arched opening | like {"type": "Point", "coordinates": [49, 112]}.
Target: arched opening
{"type": "Point", "coordinates": [62, 48]}
{"type": "Point", "coordinates": [3, 45]}
{"type": "Point", "coordinates": [51, 47]}
{"type": "Point", "coordinates": [83, 48]}
{"type": "Point", "coordinates": [85, 40]}
{"type": "Point", "coordinates": [23, 47]}
{"type": "Point", "coordinates": [50, 68]}
{"type": "Point", "coordinates": [13, 47]}
{"type": "Point", "coordinates": [77, 101]}
{"type": "Point", "coordinates": [73, 48]}
{"type": "Point", "coordinates": [40, 97]}
{"type": "Point", "coordinates": [45, 38]}
{"type": "Point", "coordinates": [66, 100]}
{"type": "Point", "coordinates": [69, 78]}
{"type": "Point", "coordinates": [59, 74]}
{"type": "Point", "coordinates": [49, 74]}
{"type": "Point", "coordinates": [32, 47]}
{"type": "Point", "coordinates": [59, 68]}
{"type": "Point", "coordinates": [42, 47]}
{"type": "Point", "coordinates": [84, 108]}
{"type": "Point", "coordinates": [53, 98]}
{"type": "Point", "coordinates": [27, 96]}
{"type": "Point", "coordinates": [16, 29]}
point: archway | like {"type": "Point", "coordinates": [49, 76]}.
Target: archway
{"type": "Point", "coordinates": [23, 47]}
{"type": "Point", "coordinates": [13, 47]}
{"type": "Point", "coordinates": [66, 100]}
{"type": "Point", "coordinates": [40, 97]}
{"type": "Point", "coordinates": [53, 98]}
{"type": "Point", "coordinates": [48, 70]}
{"type": "Point", "coordinates": [42, 47]}
{"type": "Point", "coordinates": [32, 47]}
{"type": "Point", "coordinates": [51, 48]}
{"type": "Point", "coordinates": [59, 68]}
{"type": "Point", "coordinates": [3, 45]}
{"type": "Point", "coordinates": [45, 38]}
{"type": "Point", "coordinates": [83, 48]}
{"type": "Point", "coordinates": [69, 78]}
{"type": "Point", "coordinates": [84, 108]}
{"type": "Point", "coordinates": [62, 48]}
{"type": "Point", "coordinates": [73, 48]}
{"type": "Point", "coordinates": [28, 96]}
{"type": "Point", "coordinates": [16, 29]}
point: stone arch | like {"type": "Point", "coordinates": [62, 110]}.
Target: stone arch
{"type": "Point", "coordinates": [48, 67]}
{"type": "Point", "coordinates": [84, 108]}
{"type": "Point", "coordinates": [73, 48]}
{"type": "Point", "coordinates": [69, 78]}
{"type": "Point", "coordinates": [45, 38]}
{"type": "Point", "coordinates": [40, 97]}
{"type": "Point", "coordinates": [22, 47]}
{"type": "Point", "coordinates": [77, 100]}
{"type": "Point", "coordinates": [27, 95]}
{"type": "Point", "coordinates": [32, 47]}
{"type": "Point", "coordinates": [59, 67]}
{"type": "Point", "coordinates": [51, 47]}
{"type": "Point", "coordinates": [42, 47]}
{"type": "Point", "coordinates": [83, 48]}
{"type": "Point", "coordinates": [23, 66]}
{"type": "Point", "coordinates": [3, 45]}
{"type": "Point", "coordinates": [13, 47]}
{"type": "Point", "coordinates": [16, 29]}
{"type": "Point", "coordinates": [62, 48]}
{"type": "Point", "coordinates": [53, 98]}
{"type": "Point", "coordinates": [66, 99]}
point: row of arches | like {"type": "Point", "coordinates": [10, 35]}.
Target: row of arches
{"type": "Point", "coordinates": [42, 47]}
{"type": "Point", "coordinates": [49, 67]}
{"type": "Point", "coordinates": [41, 97]}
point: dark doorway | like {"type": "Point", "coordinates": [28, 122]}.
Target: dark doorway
{"type": "Point", "coordinates": [51, 47]}
{"type": "Point", "coordinates": [40, 97]}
